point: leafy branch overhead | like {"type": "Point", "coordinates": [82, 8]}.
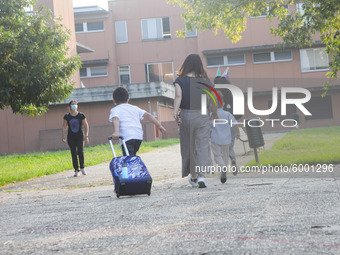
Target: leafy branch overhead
{"type": "Point", "coordinates": [296, 28]}
{"type": "Point", "coordinates": [35, 66]}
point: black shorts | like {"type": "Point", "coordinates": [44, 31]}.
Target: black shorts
{"type": "Point", "coordinates": [132, 146]}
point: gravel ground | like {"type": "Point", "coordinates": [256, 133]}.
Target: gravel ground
{"type": "Point", "coordinates": [250, 214]}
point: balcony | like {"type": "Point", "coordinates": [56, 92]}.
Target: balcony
{"type": "Point", "coordinates": [136, 91]}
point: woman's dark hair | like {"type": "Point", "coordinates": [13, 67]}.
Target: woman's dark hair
{"type": "Point", "coordinates": [71, 102]}
{"type": "Point", "coordinates": [192, 64]}
{"type": "Point", "coordinates": [120, 95]}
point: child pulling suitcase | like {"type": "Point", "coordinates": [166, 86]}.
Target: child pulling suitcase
{"type": "Point", "coordinates": [130, 175]}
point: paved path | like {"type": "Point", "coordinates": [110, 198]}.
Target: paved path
{"type": "Point", "coordinates": [250, 214]}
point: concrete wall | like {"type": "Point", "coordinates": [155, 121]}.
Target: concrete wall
{"type": "Point", "coordinates": [21, 133]}
{"type": "Point", "coordinates": [172, 129]}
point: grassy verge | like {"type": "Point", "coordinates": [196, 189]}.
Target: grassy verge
{"type": "Point", "coordinates": [21, 167]}
{"type": "Point", "coordinates": [306, 146]}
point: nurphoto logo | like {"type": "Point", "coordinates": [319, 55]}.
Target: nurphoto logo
{"type": "Point", "coordinates": [239, 102]}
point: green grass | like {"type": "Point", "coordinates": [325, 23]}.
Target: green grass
{"type": "Point", "coordinates": [306, 146]}
{"type": "Point", "coordinates": [21, 167]}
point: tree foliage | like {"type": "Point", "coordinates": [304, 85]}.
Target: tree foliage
{"type": "Point", "coordinates": [35, 66]}
{"type": "Point", "coordinates": [295, 28]}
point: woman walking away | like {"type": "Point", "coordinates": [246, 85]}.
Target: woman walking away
{"type": "Point", "coordinates": [73, 122]}
{"type": "Point", "coordinates": [190, 84]}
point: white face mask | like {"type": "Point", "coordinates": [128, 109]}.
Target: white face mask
{"type": "Point", "coordinates": [74, 107]}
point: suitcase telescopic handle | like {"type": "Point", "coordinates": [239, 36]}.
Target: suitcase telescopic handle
{"type": "Point", "coordinates": [124, 146]}
{"type": "Point", "coordinates": [111, 144]}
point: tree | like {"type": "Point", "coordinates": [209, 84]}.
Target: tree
{"type": "Point", "coordinates": [295, 28]}
{"type": "Point", "coordinates": [35, 67]}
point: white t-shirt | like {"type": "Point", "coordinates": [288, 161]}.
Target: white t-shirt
{"type": "Point", "coordinates": [129, 121]}
{"type": "Point", "coordinates": [221, 133]}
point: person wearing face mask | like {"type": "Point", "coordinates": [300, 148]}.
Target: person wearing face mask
{"type": "Point", "coordinates": [73, 122]}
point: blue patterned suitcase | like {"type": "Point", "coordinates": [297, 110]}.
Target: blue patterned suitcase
{"type": "Point", "coordinates": [138, 180]}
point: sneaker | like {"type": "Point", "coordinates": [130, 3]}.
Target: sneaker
{"type": "Point", "coordinates": [83, 171]}
{"type": "Point", "coordinates": [201, 182]}
{"type": "Point", "coordinates": [234, 167]}
{"type": "Point", "coordinates": [223, 176]}
{"type": "Point", "coordinates": [193, 182]}
{"type": "Point", "coordinates": [76, 173]}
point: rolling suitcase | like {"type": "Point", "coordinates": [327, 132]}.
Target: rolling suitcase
{"type": "Point", "coordinates": [130, 175]}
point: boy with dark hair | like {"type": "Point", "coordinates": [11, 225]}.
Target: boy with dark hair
{"type": "Point", "coordinates": [126, 119]}
{"type": "Point", "coordinates": [120, 95]}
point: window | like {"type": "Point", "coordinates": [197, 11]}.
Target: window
{"type": "Point", "coordinates": [235, 60]}
{"type": "Point", "coordinates": [314, 60]}
{"type": "Point", "coordinates": [265, 12]}
{"type": "Point", "coordinates": [79, 27]}
{"type": "Point", "coordinates": [157, 28]}
{"type": "Point", "coordinates": [124, 74]}
{"type": "Point", "coordinates": [261, 57]}
{"type": "Point", "coordinates": [83, 72]}
{"type": "Point", "coordinates": [191, 33]}
{"type": "Point", "coordinates": [159, 72]}
{"type": "Point", "coordinates": [283, 55]}
{"type": "Point", "coordinates": [273, 56]}
{"type": "Point", "coordinates": [98, 71]}
{"type": "Point", "coordinates": [320, 108]}
{"type": "Point", "coordinates": [228, 60]}
{"type": "Point", "coordinates": [300, 8]}
{"type": "Point", "coordinates": [215, 61]}
{"type": "Point", "coordinates": [121, 31]}
{"type": "Point", "coordinates": [94, 71]}
{"type": "Point", "coordinates": [95, 26]}
{"type": "Point", "coordinates": [166, 27]}
{"type": "Point", "coordinates": [262, 14]}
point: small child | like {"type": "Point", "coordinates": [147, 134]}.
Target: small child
{"type": "Point", "coordinates": [228, 107]}
{"type": "Point", "coordinates": [126, 119]}
{"type": "Point", "coordinates": [221, 138]}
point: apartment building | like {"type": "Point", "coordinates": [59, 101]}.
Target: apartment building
{"type": "Point", "coordinates": [133, 43]}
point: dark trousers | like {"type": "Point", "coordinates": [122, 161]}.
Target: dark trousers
{"type": "Point", "coordinates": [76, 145]}
{"type": "Point", "coordinates": [132, 146]}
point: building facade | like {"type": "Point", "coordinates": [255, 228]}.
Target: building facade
{"type": "Point", "coordinates": [133, 43]}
